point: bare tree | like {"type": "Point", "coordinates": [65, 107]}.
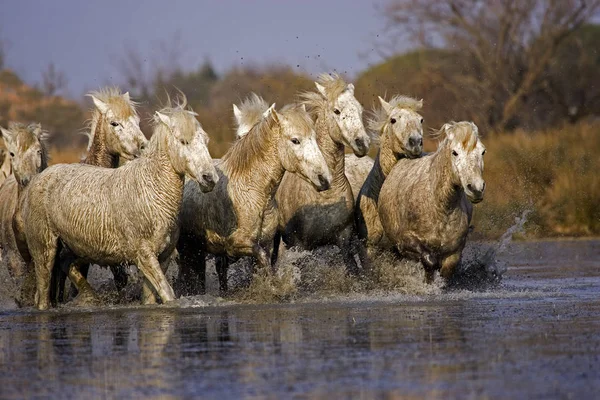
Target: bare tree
{"type": "Point", "coordinates": [142, 72]}
{"type": "Point", "coordinates": [53, 80]}
{"type": "Point", "coordinates": [506, 46]}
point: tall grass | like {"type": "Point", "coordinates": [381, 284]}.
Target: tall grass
{"type": "Point", "coordinates": [554, 173]}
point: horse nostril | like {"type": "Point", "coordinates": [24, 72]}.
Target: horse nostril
{"type": "Point", "coordinates": [470, 187]}
{"type": "Point", "coordinates": [323, 182]}
{"type": "Point", "coordinates": [483, 188]}
{"type": "Point", "coordinates": [359, 143]}
{"type": "Point", "coordinates": [207, 178]}
{"type": "Point", "coordinates": [414, 141]}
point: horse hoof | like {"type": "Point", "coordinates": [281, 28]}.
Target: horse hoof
{"type": "Point", "coordinates": [85, 299]}
{"type": "Point", "coordinates": [149, 300]}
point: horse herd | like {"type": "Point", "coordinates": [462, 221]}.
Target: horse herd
{"type": "Point", "coordinates": [286, 177]}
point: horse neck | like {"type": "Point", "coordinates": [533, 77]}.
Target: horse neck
{"type": "Point", "coordinates": [98, 153]}
{"type": "Point", "coordinates": [163, 179]}
{"type": "Point", "coordinates": [6, 167]}
{"type": "Point", "coordinates": [333, 152]}
{"type": "Point", "coordinates": [386, 157]}
{"type": "Point", "coordinates": [384, 162]}
{"type": "Point", "coordinates": [444, 184]}
{"type": "Point", "coordinates": [261, 174]}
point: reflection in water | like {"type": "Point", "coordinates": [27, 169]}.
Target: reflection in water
{"type": "Point", "coordinates": [536, 342]}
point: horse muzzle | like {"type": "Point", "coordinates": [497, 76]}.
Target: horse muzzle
{"type": "Point", "coordinates": [324, 183]}
{"type": "Point", "coordinates": [207, 182]}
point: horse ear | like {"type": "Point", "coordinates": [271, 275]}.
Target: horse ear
{"type": "Point", "coordinates": [386, 106]}
{"type": "Point", "coordinates": [321, 89]}
{"type": "Point", "coordinates": [7, 135]}
{"type": "Point", "coordinates": [350, 88]}
{"type": "Point", "coordinates": [126, 96]}
{"type": "Point", "coordinates": [237, 114]}
{"type": "Point", "coordinates": [100, 105]}
{"type": "Point", "coordinates": [164, 119]}
{"type": "Point", "coordinates": [303, 107]}
{"type": "Point", "coordinates": [475, 128]}
{"type": "Point", "coordinates": [420, 104]}
{"type": "Point", "coordinates": [272, 112]}
{"type": "Point", "coordinates": [446, 128]}
{"type": "Point", "coordinates": [269, 111]}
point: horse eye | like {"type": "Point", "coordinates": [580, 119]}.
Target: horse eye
{"type": "Point", "coordinates": [421, 120]}
{"type": "Point", "coordinates": [393, 120]}
{"type": "Point", "coordinates": [183, 142]}
{"type": "Point", "coordinates": [454, 153]}
{"type": "Point", "coordinates": [483, 152]}
{"type": "Point", "coordinates": [295, 141]}
{"type": "Point", "coordinates": [336, 111]}
{"type": "Point", "coordinates": [12, 154]}
{"type": "Point", "coordinates": [115, 124]}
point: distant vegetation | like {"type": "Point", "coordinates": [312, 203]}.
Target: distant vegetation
{"type": "Point", "coordinates": [531, 84]}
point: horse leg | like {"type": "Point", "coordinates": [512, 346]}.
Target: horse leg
{"type": "Point", "coordinates": [241, 244]}
{"type": "Point", "coordinates": [56, 294]}
{"type": "Point", "coordinates": [44, 261]}
{"type": "Point", "coordinates": [27, 287]}
{"type": "Point", "coordinates": [222, 265]}
{"type": "Point", "coordinates": [275, 251]}
{"type": "Point", "coordinates": [363, 255]}
{"type": "Point", "coordinates": [148, 295]}
{"type": "Point", "coordinates": [262, 257]}
{"type": "Point", "coordinates": [120, 276]}
{"type": "Point", "coordinates": [85, 293]}
{"type": "Point", "coordinates": [64, 258]}
{"type": "Point", "coordinates": [153, 274]}
{"type": "Point", "coordinates": [191, 279]}
{"type": "Point", "coordinates": [344, 242]}
{"type": "Point", "coordinates": [449, 265]}
{"type": "Point", "coordinates": [431, 265]}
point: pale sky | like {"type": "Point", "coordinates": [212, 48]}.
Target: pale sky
{"type": "Point", "coordinates": [85, 38]}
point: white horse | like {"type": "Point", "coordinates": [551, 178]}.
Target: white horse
{"type": "Point", "coordinates": [123, 215]}
{"type": "Point", "coordinates": [308, 218]}
{"type": "Point", "coordinates": [425, 204]}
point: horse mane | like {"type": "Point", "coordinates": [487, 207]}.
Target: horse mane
{"type": "Point", "coordinates": [251, 112]}
{"type": "Point", "coordinates": [239, 158]}
{"type": "Point", "coordinates": [465, 132]}
{"type": "Point", "coordinates": [334, 86]}
{"type": "Point", "coordinates": [25, 136]}
{"type": "Point", "coordinates": [378, 117]}
{"type": "Point", "coordinates": [121, 107]}
{"type": "Point", "coordinates": [181, 116]}
{"type": "Point", "coordinates": [299, 118]}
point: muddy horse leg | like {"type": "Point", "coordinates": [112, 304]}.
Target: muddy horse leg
{"type": "Point", "coordinates": [85, 293]}
{"type": "Point", "coordinates": [431, 265]}
{"type": "Point", "coordinates": [222, 265]}
{"type": "Point", "coordinates": [44, 262]}
{"type": "Point", "coordinates": [449, 265]}
{"type": "Point", "coordinates": [345, 245]}
{"type": "Point", "coordinates": [191, 279]}
{"type": "Point", "coordinates": [120, 276]}
{"type": "Point", "coordinates": [148, 293]}
{"type": "Point", "coordinates": [275, 251]}
{"type": "Point", "coordinates": [154, 276]}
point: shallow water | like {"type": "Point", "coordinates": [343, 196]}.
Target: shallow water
{"type": "Point", "coordinates": [537, 335]}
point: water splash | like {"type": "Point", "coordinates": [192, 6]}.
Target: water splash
{"type": "Point", "coordinates": [480, 267]}
{"type": "Point", "coordinates": [320, 275]}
